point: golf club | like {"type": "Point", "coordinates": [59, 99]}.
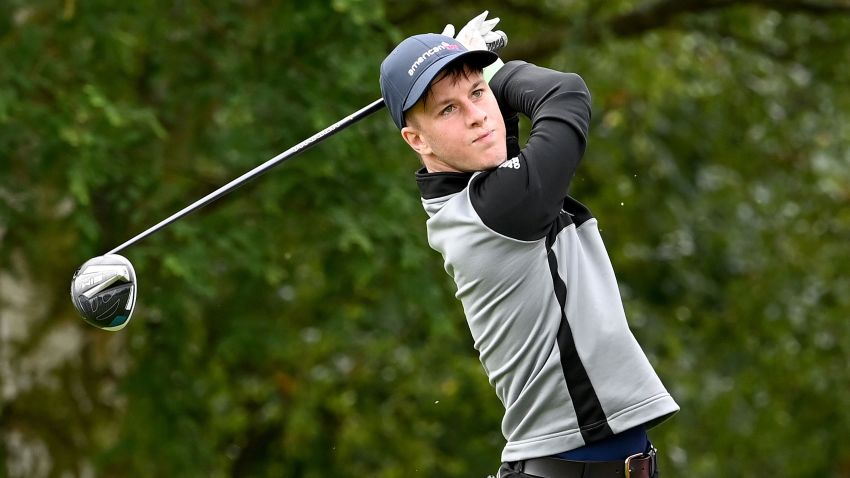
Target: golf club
{"type": "Point", "coordinates": [103, 289]}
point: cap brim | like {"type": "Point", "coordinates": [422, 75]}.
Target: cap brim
{"type": "Point", "coordinates": [475, 58]}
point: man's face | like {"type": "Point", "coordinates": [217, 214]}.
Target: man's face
{"type": "Point", "coordinates": [458, 127]}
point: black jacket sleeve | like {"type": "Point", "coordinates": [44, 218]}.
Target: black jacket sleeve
{"type": "Point", "coordinates": [523, 196]}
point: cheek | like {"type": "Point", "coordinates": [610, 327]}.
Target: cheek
{"type": "Point", "coordinates": [447, 138]}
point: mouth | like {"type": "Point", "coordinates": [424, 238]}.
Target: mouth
{"type": "Point", "coordinates": [485, 136]}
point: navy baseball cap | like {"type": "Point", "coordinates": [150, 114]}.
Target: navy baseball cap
{"type": "Point", "coordinates": [408, 70]}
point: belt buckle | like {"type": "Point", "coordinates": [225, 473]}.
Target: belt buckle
{"type": "Point", "coordinates": [628, 472]}
{"type": "Point", "coordinates": [629, 464]}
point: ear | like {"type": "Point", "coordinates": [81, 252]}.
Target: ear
{"type": "Point", "coordinates": [413, 136]}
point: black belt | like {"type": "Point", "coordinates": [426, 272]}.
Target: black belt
{"type": "Point", "coordinates": [642, 465]}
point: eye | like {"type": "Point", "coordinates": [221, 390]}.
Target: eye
{"type": "Point", "coordinates": [448, 109]}
{"type": "Point", "coordinates": [478, 93]}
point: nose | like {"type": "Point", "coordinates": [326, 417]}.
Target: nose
{"type": "Point", "coordinates": [475, 115]}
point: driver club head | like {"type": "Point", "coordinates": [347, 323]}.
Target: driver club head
{"type": "Point", "coordinates": [103, 290]}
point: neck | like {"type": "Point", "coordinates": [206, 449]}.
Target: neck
{"type": "Point", "coordinates": [434, 165]}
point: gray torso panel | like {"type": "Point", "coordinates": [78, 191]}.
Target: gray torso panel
{"type": "Point", "coordinates": [567, 369]}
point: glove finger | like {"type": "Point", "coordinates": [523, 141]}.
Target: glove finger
{"type": "Point", "coordinates": [473, 28]}
{"type": "Point", "coordinates": [468, 30]}
{"type": "Point", "coordinates": [491, 37]}
{"type": "Point", "coordinates": [488, 25]}
{"type": "Point", "coordinates": [477, 21]}
{"type": "Point", "coordinates": [449, 31]}
{"type": "Point", "coordinates": [494, 35]}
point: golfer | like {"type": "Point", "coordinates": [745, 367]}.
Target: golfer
{"type": "Point", "coordinates": [536, 283]}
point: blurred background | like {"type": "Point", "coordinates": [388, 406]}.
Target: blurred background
{"type": "Point", "coordinates": [301, 327]}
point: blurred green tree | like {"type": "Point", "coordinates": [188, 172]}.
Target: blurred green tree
{"type": "Point", "coordinates": [303, 328]}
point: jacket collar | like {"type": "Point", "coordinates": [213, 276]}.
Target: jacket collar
{"type": "Point", "coordinates": [434, 185]}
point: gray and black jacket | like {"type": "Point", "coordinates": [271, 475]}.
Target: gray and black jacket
{"type": "Point", "coordinates": [536, 282]}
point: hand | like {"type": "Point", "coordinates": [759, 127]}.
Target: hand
{"type": "Point", "coordinates": [478, 34]}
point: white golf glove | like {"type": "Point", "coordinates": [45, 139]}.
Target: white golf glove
{"type": "Point", "coordinates": [478, 34]}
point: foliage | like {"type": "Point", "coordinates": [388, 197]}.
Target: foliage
{"type": "Point", "coordinates": [302, 327]}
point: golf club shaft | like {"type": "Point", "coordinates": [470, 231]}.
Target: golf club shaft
{"type": "Point", "coordinates": [280, 158]}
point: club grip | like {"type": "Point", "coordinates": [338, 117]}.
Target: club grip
{"type": "Point", "coordinates": [496, 45]}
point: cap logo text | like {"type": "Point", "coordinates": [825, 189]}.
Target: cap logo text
{"type": "Point", "coordinates": [429, 53]}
